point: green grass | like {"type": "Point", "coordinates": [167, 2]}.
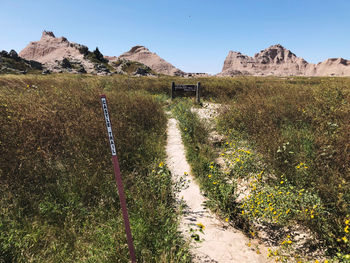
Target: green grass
{"type": "Point", "coordinates": [59, 201]}
{"type": "Point", "coordinates": [58, 198]}
{"type": "Point", "coordinates": [301, 127]}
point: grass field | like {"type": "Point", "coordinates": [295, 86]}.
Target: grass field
{"type": "Point", "coordinates": [302, 129]}
{"type": "Point", "coordinates": [59, 201]}
{"type": "Point", "coordinates": [58, 198]}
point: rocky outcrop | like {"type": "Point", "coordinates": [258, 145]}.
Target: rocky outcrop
{"type": "Point", "coordinates": [124, 66]}
{"type": "Point", "coordinates": [10, 62]}
{"type": "Point", "coordinates": [333, 67]}
{"type": "Point", "coordinates": [54, 54]}
{"type": "Point", "coordinates": [279, 61]}
{"type": "Point", "coordinates": [275, 60]}
{"type": "Point", "coordinates": [60, 55]}
{"type": "Point", "coordinates": [152, 60]}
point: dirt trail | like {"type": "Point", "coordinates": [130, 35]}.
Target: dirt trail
{"type": "Point", "coordinates": [220, 242]}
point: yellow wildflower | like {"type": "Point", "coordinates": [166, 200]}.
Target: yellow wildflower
{"type": "Point", "coordinates": [201, 226]}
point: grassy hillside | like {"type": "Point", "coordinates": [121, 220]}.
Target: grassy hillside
{"type": "Point", "coordinates": [59, 201]}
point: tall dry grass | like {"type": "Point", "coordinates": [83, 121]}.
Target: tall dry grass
{"type": "Point", "coordinates": [59, 201]}
{"type": "Point", "coordinates": [305, 121]}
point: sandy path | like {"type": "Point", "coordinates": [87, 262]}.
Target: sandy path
{"type": "Point", "coordinates": [220, 241]}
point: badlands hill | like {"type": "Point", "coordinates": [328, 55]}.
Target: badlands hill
{"type": "Point", "coordinates": [58, 54]}
{"type": "Point", "coordinates": [152, 60]}
{"type": "Point", "coordinates": [54, 54]}
{"type": "Point", "coordinates": [279, 61]}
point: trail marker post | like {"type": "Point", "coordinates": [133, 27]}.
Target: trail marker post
{"type": "Point", "coordinates": [186, 87]}
{"type": "Point", "coordinates": [118, 179]}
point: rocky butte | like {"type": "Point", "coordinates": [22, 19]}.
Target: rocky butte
{"type": "Point", "coordinates": [279, 61]}
{"type": "Point", "coordinates": [143, 55]}
{"type": "Point", "coordinates": [58, 54]}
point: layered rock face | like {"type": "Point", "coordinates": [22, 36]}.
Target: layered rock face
{"type": "Point", "coordinates": [58, 54]}
{"type": "Point", "coordinates": [278, 61]}
{"type": "Point", "coordinates": [152, 60]}
{"type": "Point", "coordinates": [333, 67]}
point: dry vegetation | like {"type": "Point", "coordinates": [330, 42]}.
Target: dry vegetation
{"type": "Point", "coordinates": [58, 197]}
{"type": "Point", "coordinates": [58, 200]}
{"type": "Point", "coordinates": [302, 128]}
{"type": "Point", "coordinates": [298, 132]}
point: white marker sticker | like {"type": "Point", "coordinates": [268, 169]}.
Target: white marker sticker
{"type": "Point", "coordinates": [109, 126]}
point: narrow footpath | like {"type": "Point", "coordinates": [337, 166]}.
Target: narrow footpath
{"type": "Point", "coordinates": [220, 242]}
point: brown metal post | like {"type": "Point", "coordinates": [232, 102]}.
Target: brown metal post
{"type": "Point", "coordinates": [172, 90]}
{"type": "Point", "coordinates": [198, 92]}
{"type": "Point", "coordinates": [118, 178]}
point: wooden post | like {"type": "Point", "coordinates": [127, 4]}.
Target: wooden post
{"type": "Point", "coordinates": [172, 90]}
{"type": "Point", "coordinates": [198, 92]}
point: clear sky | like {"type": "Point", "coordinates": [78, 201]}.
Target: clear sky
{"type": "Point", "coordinates": [193, 35]}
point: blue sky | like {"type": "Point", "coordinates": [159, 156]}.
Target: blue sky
{"type": "Point", "coordinates": [194, 35]}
